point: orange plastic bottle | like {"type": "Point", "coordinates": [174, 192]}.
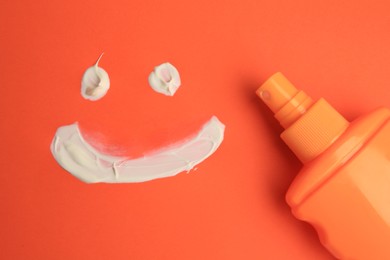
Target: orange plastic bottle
{"type": "Point", "coordinates": [343, 189]}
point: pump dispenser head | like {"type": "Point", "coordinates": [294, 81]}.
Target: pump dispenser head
{"type": "Point", "coordinates": [310, 127]}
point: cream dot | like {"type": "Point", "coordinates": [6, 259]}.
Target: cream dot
{"type": "Point", "coordinates": [165, 79]}
{"type": "Point", "coordinates": [95, 82]}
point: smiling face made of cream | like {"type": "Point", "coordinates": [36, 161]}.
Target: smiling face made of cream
{"type": "Point", "coordinates": [73, 153]}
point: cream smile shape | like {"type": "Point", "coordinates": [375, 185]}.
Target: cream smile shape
{"type": "Point", "coordinates": [78, 157]}
{"type": "Point", "coordinates": [84, 162]}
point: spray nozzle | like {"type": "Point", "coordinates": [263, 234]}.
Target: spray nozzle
{"type": "Point", "coordinates": [310, 127]}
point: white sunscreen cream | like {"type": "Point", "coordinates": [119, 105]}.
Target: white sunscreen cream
{"type": "Point", "coordinates": [79, 158]}
{"type": "Point", "coordinates": [95, 82]}
{"type": "Point", "coordinates": [165, 79]}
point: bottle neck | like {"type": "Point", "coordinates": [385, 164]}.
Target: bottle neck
{"type": "Point", "coordinates": [314, 131]}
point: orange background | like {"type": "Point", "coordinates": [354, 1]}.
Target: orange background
{"type": "Point", "coordinates": [232, 206]}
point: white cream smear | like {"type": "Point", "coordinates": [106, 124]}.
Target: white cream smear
{"type": "Point", "coordinates": [165, 79]}
{"type": "Point", "coordinates": [95, 82]}
{"type": "Point", "coordinates": [79, 158]}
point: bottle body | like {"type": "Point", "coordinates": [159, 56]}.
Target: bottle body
{"type": "Point", "coordinates": [343, 189]}
{"type": "Point", "coordinates": [345, 192]}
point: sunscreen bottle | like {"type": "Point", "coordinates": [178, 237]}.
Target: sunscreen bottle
{"type": "Point", "coordinates": [343, 189]}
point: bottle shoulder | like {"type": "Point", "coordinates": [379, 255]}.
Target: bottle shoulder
{"type": "Point", "coordinates": [316, 172]}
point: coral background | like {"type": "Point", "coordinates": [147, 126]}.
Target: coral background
{"type": "Point", "coordinates": [232, 206]}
